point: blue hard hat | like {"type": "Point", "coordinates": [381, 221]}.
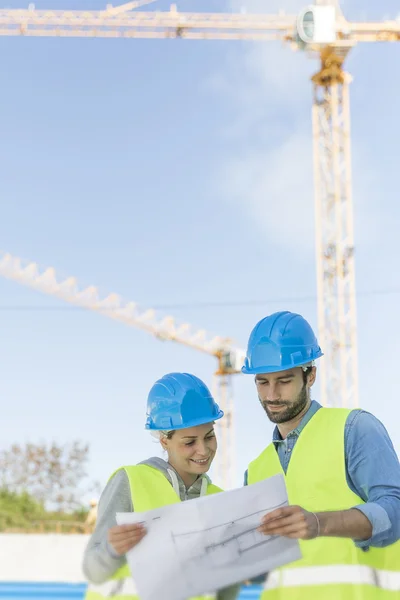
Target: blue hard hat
{"type": "Point", "coordinates": [178, 401]}
{"type": "Point", "coordinates": [281, 341]}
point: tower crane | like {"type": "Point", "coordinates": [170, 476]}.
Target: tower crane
{"type": "Point", "coordinates": [322, 31]}
{"type": "Point", "coordinates": [229, 358]}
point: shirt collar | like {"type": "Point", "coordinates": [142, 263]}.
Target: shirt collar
{"type": "Point", "coordinates": [314, 406]}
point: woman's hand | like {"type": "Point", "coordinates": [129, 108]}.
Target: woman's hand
{"type": "Point", "coordinates": [125, 537]}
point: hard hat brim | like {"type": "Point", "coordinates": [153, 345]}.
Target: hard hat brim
{"type": "Point", "coordinates": [193, 423]}
{"type": "Point", "coordinates": [276, 369]}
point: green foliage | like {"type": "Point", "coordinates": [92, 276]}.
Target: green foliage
{"type": "Point", "coordinates": [76, 516]}
{"type": "Point", "coordinates": [18, 510]}
{"type": "Point", "coordinates": [42, 486]}
{"type": "Point", "coordinates": [22, 512]}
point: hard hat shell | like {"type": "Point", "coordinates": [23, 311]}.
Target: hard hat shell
{"type": "Point", "coordinates": [178, 401]}
{"type": "Point", "coordinates": [281, 341]}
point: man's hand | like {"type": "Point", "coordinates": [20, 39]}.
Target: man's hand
{"type": "Point", "coordinates": [292, 522]}
{"type": "Point", "coordinates": [125, 537]}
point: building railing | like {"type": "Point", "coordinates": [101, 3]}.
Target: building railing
{"type": "Point", "coordinates": [52, 526]}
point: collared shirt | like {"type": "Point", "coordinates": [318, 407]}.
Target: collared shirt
{"type": "Point", "coordinates": [372, 471]}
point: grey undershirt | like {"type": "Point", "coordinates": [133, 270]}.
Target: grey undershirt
{"type": "Point", "coordinates": [100, 562]}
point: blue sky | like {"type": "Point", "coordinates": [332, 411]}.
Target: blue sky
{"type": "Point", "coordinates": [177, 173]}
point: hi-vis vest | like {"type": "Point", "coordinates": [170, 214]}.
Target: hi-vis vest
{"type": "Point", "coordinates": [149, 489]}
{"type": "Point", "coordinates": [331, 568]}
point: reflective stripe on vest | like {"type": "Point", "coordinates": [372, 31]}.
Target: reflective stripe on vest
{"type": "Point", "coordinates": [115, 587]}
{"type": "Point", "coordinates": [123, 589]}
{"type": "Point", "coordinates": [334, 574]}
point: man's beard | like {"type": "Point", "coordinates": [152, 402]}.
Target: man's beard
{"type": "Point", "coordinates": [292, 408]}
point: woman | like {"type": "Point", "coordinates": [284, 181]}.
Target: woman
{"type": "Point", "coordinates": [181, 413]}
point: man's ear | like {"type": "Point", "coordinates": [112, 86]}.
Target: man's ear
{"type": "Point", "coordinates": [312, 376]}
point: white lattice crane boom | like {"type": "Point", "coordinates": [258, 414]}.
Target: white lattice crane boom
{"type": "Point", "coordinates": [113, 306]}
{"type": "Point", "coordinates": [322, 31]}
{"type": "Point", "coordinates": [125, 22]}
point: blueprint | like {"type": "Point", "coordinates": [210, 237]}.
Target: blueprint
{"type": "Point", "coordinates": [203, 545]}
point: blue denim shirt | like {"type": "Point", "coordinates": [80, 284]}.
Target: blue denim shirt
{"type": "Point", "coordinates": [372, 471]}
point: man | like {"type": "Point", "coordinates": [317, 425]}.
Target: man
{"type": "Point", "coordinates": [341, 470]}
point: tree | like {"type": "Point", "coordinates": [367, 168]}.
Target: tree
{"type": "Point", "coordinates": [55, 475]}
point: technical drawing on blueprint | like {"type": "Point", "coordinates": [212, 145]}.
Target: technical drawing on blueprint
{"type": "Point", "coordinates": [206, 544]}
{"type": "Point", "coordinates": [225, 544]}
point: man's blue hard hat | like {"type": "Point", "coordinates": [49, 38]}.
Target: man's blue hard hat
{"type": "Point", "coordinates": [281, 341]}
{"type": "Point", "coordinates": [178, 401]}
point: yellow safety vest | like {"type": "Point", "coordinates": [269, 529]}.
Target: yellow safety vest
{"type": "Point", "coordinates": [331, 568]}
{"type": "Point", "coordinates": [149, 489]}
